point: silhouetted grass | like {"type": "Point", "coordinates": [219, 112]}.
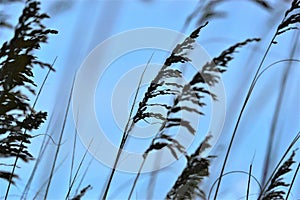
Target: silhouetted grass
{"type": "Point", "coordinates": [288, 20]}
{"type": "Point", "coordinates": [197, 168]}
{"type": "Point", "coordinates": [194, 91]}
{"type": "Point", "coordinates": [18, 116]}
{"type": "Point", "coordinates": [82, 193]}
{"type": "Point", "coordinates": [59, 143]}
{"type": "Point", "coordinates": [274, 191]}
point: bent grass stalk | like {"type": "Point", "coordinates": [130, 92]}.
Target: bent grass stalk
{"type": "Point", "coordinates": [282, 28]}
{"type": "Point", "coordinates": [276, 114]}
{"type": "Point", "coordinates": [233, 172]}
{"type": "Point", "coordinates": [240, 116]}
{"type": "Point", "coordinates": [28, 184]}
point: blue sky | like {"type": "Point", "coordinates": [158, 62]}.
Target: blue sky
{"type": "Point", "coordinates": [82, 25]}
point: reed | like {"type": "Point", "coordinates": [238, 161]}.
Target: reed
{"type": "Point", "coordinates": [19, 117]}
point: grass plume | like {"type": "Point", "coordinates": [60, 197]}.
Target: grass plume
{"type": "Point", "coordinates": [197, 168]}
{"type": "Point", "coordinates": [273, 191]}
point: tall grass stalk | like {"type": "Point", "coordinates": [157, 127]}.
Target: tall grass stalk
{"type": "Point", "coordinates": [293, 181]}
{"type": "Point", "coordinates": [77, 171]}
{"type": "Point", "coordinates": [233, 172]}
{"type": "Point", "coordinates": [59, 142]}
{"type": "Point", "coordinates": [278, 107]}
{"type": "Point", "coordinates": [191, 91]}
{"type": "Point", "coordinates": [137, 176]}
{"type": "Point", "coordinates": [249, 181]}
{"type": "Point", "coordinates": [28, 184]}
{"type": "Point", "coordinates": [73, 153]}
{"type": "Point", "coordinates": [293, 142]}
{"type": "Point", "coordinates": [38, 160]}
{"type": "Point", "coordinates": [42, 186]}
{"type": "Point", "coordinates": [240, 116]}
{"type": "Point", "coordinates": [178, 55]}
{"type": "Point", "coordinates": [125, 133]}
{"type": "Point", "coordinates": [279, 31]}
{"type": "Point", "coordinates": [84, 175]}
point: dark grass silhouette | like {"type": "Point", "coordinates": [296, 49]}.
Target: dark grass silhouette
{"type": "Point", "coordinates": [194, 92]}
{"type": "Point", "coordinates": [18, 116]}
{"type": "Point", "coordinates": [273, 191]}
{"type": "Point", "coordinates": [197, 168]}
{"type": "Point", "coordinates": [289, 20]}
{"type": "Point", "coordinates": [178, 55]}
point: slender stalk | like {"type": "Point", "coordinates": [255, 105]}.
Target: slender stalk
{"type": "Point", "coordinates": [39, 157]}
{"type": "Point", "coordinates": [73, 153]}
{"type": "Point", "coordinates": [128, 126]}
{"type": "Point", "coordinates": [240, 116]}
{"type": "Point", "coordinates": [84, 174]}
{"type": "Point", "coordinates": [277, 112]}
{"type": "Point", "coordinates": [296, 138]}
{"type": "Point", "coordinates": [249, 181]}
{"type": "Point", "coordinates": [59, 142]}
{"type": "Point", "coordinates": [292, 183]}
{"type": "Point", "coordinates": [242, 111]}
{"type": "Point", "coordinates": [137, 176]}
{"type": "Point", "coordinates": [77, 171]}
{"type": "Point", "coordinates": [153, 179]}
{"type": "Point", "coordinates": [46, 181]}
{"type": "Point", "coordinates": [42, 149]}
{"type": "Point", "coordinates": [233, 172]}
{"type": "Point", "coordinates": [21, 143]}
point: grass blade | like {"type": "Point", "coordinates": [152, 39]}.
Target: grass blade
{"type": "Point", "coordinates": [59, 142]}
{"type": "Point", "coordinates": [249, 181]}
{"type": "Point", "coordinates": [292, 183]}
{"type": "Point", "coordinates": [77, 171]}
